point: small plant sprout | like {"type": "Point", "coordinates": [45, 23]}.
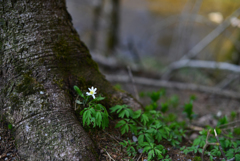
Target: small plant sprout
{"type": "Point", "coordinates": [92, 92]}
{"type": "Point", "coordinates": [93, 113]}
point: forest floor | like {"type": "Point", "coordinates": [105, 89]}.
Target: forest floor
{"type": "Point", "coordinates": [207, 107]}
{"type": "Point", "coordinates": [107, 141]}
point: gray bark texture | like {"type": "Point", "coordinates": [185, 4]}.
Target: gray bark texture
{"type": "Point", "coordinates": [41, 59]}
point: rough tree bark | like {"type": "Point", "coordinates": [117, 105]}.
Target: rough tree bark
{"type": "Point", "coordinates": [41, 59]}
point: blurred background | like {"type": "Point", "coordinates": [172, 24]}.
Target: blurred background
{"type": "Point", "coordinates": [185, 46]}
{"type": "Point", "coordinates": [160, 30]}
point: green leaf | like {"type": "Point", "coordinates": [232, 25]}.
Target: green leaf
{"type": "Point", "coordinates": [117, 108]}
{"type": "Point", "coordinates": [137, 114]}
{"type": "Point", "coordinates": [9, 126]}
{"type": "Point", "coordinates": [133, 128]}
{"type": "Point", "coordinates": [146, 149]}
{"type": "Point", "coordinates": [151, 154]}
{"type": "Point", "coordinates": [100, 107]}
{"type": "Point", "coordinates": [98, 118]}
{"type": "Point", "coordinates": [120, 123]}
{"type": "Point", "coordinates": [144, 119]}
{"type": "Point", "coordinates": [141, 139]}
{"type": "Point", "coordinates": [124, 129]}
{"type": "Point", "coordinates": [158, 136]}
{"type": "Point", "coordinates": [149, 138]}
{"type": "Point", "coordinates": [78, 91]}
{"type": "Point", "coordinates": [99, 98]}
{"type": "Point", "coordinates": [237, 157]}
{"type": "Point", "coordinates": [164, 107]}
{"type": "Point", "coordinates": [105, 120]}
{"type": "Point", "coordinates": [124, 143]}
{"type": "Point", "coordinates": [86, 117]}
{"type": "Point", "coordinates": [123, 113]}
{"type": "Point", "coordinates": [81, 113]}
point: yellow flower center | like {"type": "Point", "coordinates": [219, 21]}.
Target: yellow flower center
{"type": "Point", "coordinates": [91, 92]}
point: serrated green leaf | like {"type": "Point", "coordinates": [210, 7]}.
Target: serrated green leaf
{"type": "Point", "coordinates": [141, 139]}
{"type": "Point", "coordinates": [149, 138]}
{"type": "Point", "coordinates": [144, 119]}
{"type": "Point", "coordinates": [99, 98]}
{"type": "Point", "coordinates": [105, 120]}
{"type": "Point", "coordinates": [81, 113]}
{"type": "Point", "coordinates": [124, 129]}
{"type": "Point", "coordinates": [86, 117]}
{"type": "Point", "coordinates": [79, 92]}
{"type": "Point", "coordinates": [237, 157]}
{"type": "Point", "coordinates": [123, 113]}
{"type": "Point", "coordinates": [137, 114]}
{"type": "Point", "coordinates": [98, 118]}
{"type": "Point", "coordinates": [133, 128]}
{"type": "Point", "coordinates": [158, 136]}
{"type": "Point", "coordinates": [146, 149]}
{"type": "Point", "coordinates": [93, 112]}
{"type": "Point", "coordinates": [117, 108]}
{"type": "Point", "coordinates": [120, 123]}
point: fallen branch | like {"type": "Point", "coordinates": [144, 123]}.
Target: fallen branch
{"type": "Point", "coordinates": [204, 42]}
{"type": "Point", "coordinates": [211, 36]}
{"type": "Point", "coordinates": [109, 155]}
{"type": "Point", "coordinates": [133, 83]}
{"type": "Point", "coordinates": [173, 85]}
{"type": "Point", "coordinates": [200, 64]}
{"type": "Point", "coordinates": [228, 80]}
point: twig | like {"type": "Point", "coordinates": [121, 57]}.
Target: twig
{"type": "Point", "coordinates": [188, 140]}
{"type": "Point", "coordinates": [109, 156]}
{"type": "Point", "coordinates": [232, 159]}
{"type": "Point", "coordinates": [228, 124]}
{"type": "Point", "coordinates": [204, 42]}
{"type": "Point", "coordinates": [211, 36]}
{"type": "Point", "coordinates": [139, 157]}
{"type": "Point", "coordinates": [200, 64]}
{"type": "Point", "coordinates": [195, 128]}
{"type": "Point", "coordinates": [228, 80]}
{"type": "Point", "coordinates": [174, 85]}
{"type": "Point", "coordinates": [133, 83]}
{"type": "Point", "coordinates": [112, 136]}
{"type": "Point", "coordinates": [220, 147]}
{"type": "Point", "coordinates": [207, 143]}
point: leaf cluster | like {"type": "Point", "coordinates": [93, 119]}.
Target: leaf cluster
{"type": "Point", "coordinates": [94, 113]}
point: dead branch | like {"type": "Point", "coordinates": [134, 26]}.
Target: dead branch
{"type": "Point", "coordinates": [210, 37]}
{"type": "Point", "coordinates": [228, 80]}
{"type": "Point", "coordinates": [204, 42]}
{"type": "Point", "coordinates": [200, 64]}
{"type": "Point", "coordinates": [133, 83]}
{"type": "Point", "coordinates": [173, 85]}
{"type": "Point", "coordinates": [220, 147]}
{"type": "Point", "coordinates": [207, 143]}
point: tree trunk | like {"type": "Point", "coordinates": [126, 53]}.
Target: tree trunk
{"type": "Point", "coordinates": [42, 58]}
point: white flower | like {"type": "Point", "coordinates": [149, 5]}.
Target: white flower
{"type": "Point", "coordinates": [92, 92]}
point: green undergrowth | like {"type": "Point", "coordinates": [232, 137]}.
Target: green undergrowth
{"type": "Point", "coordinates": [156, 125]}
